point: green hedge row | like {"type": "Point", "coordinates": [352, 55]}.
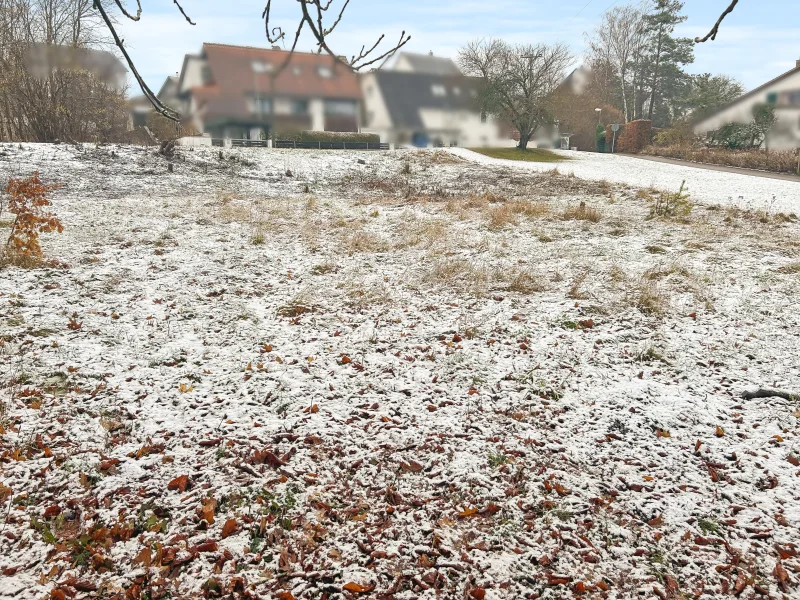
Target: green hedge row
{"type": "Point", "coordinates": [327, 136]}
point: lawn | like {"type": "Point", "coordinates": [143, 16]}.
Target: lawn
{"type": "Point", "coordinates": [529, 155]}
{"type": "Point", "coordinates": [280, 374]}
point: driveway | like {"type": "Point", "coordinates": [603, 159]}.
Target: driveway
{"type": "Point", "coordinates": [710, 186]}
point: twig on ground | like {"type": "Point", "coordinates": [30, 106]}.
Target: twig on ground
{"type": "Point", "coordinates": [766, 393]}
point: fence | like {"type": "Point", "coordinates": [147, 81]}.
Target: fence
{"type": "Point", "coordinates": [331, 145]}
{"type": "Point", "coordinates": [237, 143]}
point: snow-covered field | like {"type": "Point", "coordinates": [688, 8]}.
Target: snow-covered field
{"type": "Point", "coordinates": [416, 377]}
{"type": "Point", "coordinates": [746, 192]}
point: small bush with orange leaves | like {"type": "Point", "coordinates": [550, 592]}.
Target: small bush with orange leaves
{"type": "Point", "coordinates": [27, 199]}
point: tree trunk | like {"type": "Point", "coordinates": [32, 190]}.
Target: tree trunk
{"type": "Point", "coordinates": [524, 139]}
{"type": "Point", "coordinates": [655, 73]}
{"type": "Point", "coordinates": [624, 96]}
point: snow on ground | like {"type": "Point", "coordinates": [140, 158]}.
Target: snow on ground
{"type": "Point", "coordinates": [416, 377]}
{"type": "Point", "coordinates": [715, 187]}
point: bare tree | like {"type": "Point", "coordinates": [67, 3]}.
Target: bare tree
{"type": "Point", "coordinates": [312, 16]}
{"type": "Point", "coordinates": [516, 80]}
{"type": "Point", "coordinates": [42, 95]}
{"type": "Point", "coordinates": [618, 40]}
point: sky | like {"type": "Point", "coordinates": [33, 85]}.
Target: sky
{"type": "Point", "coordinates": [758, 41]}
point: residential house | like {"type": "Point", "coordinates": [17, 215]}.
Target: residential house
{"type": "Point", "coordinates": [140, 106]}
{"type": "Point", "coordinates": [783, 92]}
{"type": "Point", "coordinates": [425, 100]}
{"type": "Point", "coordinates": [42, 59]}
{"type": "Point", "coordinates": [409, 62]}
{"type": "Point", "coordinates": [242, 92]}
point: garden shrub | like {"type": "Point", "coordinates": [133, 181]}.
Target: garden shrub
{"type": "Point", "coordinates": [600, 139]}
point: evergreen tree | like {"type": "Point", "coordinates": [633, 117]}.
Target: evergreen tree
{"type": "Point", "coordinates": [710, 92]}
{"type": "Point", "coordinates": [663, 80]}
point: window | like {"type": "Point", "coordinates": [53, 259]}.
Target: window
{"type": "Point", "coordinates": [262, 106]}
{"type": "Point", "coordinates": [325, 72]}
{"type": "Point", "coordinates": [346, 108]}
{"type": "Point", "coordinates": [205, 74]}
{"type": "Point", "coordinates": [299, 107]}
{"type": "Point", "coordinates": [259, 66]}
{"type": "Point", "coordinates": [772, 97]}
{"type": "Point", "coordinates": [438, 90]}
{"type": "Point", "coordinates": [484, 117]}
{"type": "Point", "coordinates": [794, 98]}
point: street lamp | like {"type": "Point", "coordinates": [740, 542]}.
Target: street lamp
{"type": "Point", "coordinates": [598, 111]}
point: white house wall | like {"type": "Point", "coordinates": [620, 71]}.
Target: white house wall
{"type": "Point", "coordinates": [467, 128]}
{"type": "Point", "coordinates": [377, 118]}
{"type": "Point", "coordinates": [192, 75]}
{"type": "Point", "coordinates": [741, 111]}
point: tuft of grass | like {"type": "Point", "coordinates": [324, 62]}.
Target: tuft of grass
{"type": "Point", "coordinates": [529, 155]}
{"type": "Point", "coordinates": [525, 282]}
{"type": "Point", "coordinates": [790, 269]}
{"type": "Point", "coordinates": [582, 212]}
{"type": "Point", "coordinates": [650, 299]}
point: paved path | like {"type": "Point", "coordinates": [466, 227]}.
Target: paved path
{"type": "Point", "coordinates": [727, 169]}
{"type": "Point", "coordinates": [710, 186]}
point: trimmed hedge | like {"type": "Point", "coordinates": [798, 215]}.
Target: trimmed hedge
{"type": "Point", "coordinates": [632, 137]}
{"type": "Point", "coordinates": [762, 160]}
{"type": "Point", "coordinates": [328, 136]}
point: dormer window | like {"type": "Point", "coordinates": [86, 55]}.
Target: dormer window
{"type": "Point", "coordinates": [325, 72]}
{"type": "Point", "coordinates": [259, 66]}
{"type": "Point", "coordinates": [438, 90]}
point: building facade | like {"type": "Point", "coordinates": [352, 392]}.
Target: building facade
{"type": "Point", "coordinates": [783, 93]}
{"type": "Point", "coordinates": [250, 93]}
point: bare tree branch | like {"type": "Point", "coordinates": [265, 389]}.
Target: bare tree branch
{"type": "Point", "coordinates": [127, 14]}
{"type": "Point", "coordinates": [715, 29]}
{"type": "Point", "coordinates": [180, 8]}
{"type": "Point", "coordinates": [151, 97]}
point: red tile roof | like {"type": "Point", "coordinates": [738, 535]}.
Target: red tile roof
{"type": "Point", "coordinates": [234, 79]}
{"type": "Point", "coordinates": [232, 69]}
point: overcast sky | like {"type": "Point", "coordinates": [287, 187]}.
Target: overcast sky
{"type": "Point", "coordinates": [758, 41]}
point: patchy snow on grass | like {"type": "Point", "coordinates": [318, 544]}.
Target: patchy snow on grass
{"type": "Point", "coordinates": [288, 374]}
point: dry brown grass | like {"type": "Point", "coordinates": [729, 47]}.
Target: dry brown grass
{"type": "Point", "coordinates": [576, 290]}
{"type": "Point", "coordinates": [427, 233]}
{"type": "Point", "coordinates": [582, 212]}
{"type": "Point", "coordinates": [524, 281]}
{"type": "Point", "coordinates": [363, 241]}
{"type": "Point", "coordinates": [461, 275]}
{"type": "Point", "coordinates": [790, 269]}
{"type": "Point", "coordinates": [650, 298]}
{"type": "Point", "coordinates": [500, 216]}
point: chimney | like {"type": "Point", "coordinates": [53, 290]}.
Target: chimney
{"type": "Point", "coordinates": [430, 53]}
{"type": "Point", "coordinates": [797, 65]}
{"type": "Point", "coordinates": [276, 47]}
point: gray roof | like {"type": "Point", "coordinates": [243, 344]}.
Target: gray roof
{"type": "Point", "coordinates": [406, 93]}
{"type": "Point", "coordinates": [432, 65]}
